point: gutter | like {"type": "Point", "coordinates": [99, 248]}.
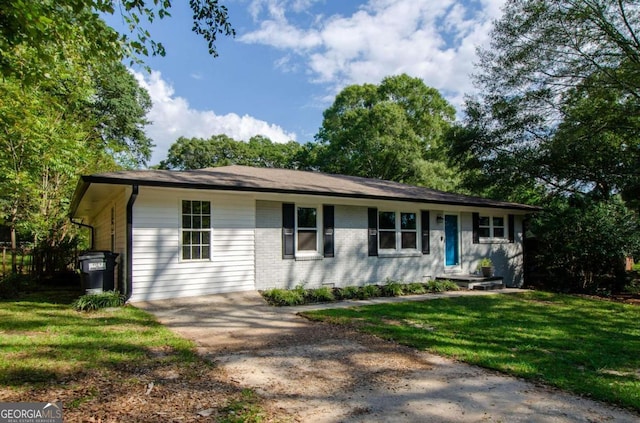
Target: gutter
{"type": "Point", "coordinates": [84, 225]}
{"type": "Point", "coordinates": [129, 248]}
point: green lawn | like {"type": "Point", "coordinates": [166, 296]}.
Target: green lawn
{"type": "Point", "coordinates": [587, 346]}
{"type": "Point", "coordinates": [100, 365]}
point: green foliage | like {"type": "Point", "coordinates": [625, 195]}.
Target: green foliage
{"type": "Point", "coordinates": [13, 284]}
{"type": "Point", "coordinates": [246, 409]}
{"type": "Point", "coordinates": [578, 344]}
{"type": "Point", "coordinates": [582, 244]}
{"type": "Point", "coordinates": [392, 288]}
{"type": "Point", "coordinates": [415, 288]}
{"type": "Point", "coordinates": [320, 295]}
{"type": "Point", "coordinates": [283, 297]}
{"type": "Point", "coordinates": [348, 293]}
{"type": "Point", "coordinates": [220, 150]}
{"type": "Point", "coordinates": [94, 302]}
{"type": "Point", "coordinates": [48, 27]}
{"type": "Point", "coordinates": [369, 291]}
{"type": "Point", "coordinates": [299, 295]}
{"type": "Point", "coordinates": [442, 286]}
{"type": "Point", "coordinates": [55, 343]}
{"type": "Point", "coordinates": [390, 131]}
{"type": "Point", "coordinates": [557, 104]}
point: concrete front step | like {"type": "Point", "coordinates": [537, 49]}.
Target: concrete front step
{"type": "Point", "coordinates": [474, 281]}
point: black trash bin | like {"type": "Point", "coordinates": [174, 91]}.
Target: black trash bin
{"type": "Point", "coordinates": [97, 271]}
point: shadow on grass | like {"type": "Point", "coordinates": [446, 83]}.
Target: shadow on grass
{"type": "Point", "coordinates": [583, 345]}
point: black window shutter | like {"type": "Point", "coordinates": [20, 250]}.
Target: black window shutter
{"type": "Point", "coordinates": [288, 230]}
{"type": "Point", "coordinates": [476, 227]}
{"type": "Point", "coordinates": [424, 220]}
{"type": "Point", "coordinates": [373, 231]}
{"type": "Point", "coordinates": [328, 229]}
{"type": "Point", "coordinates": [512, 228]}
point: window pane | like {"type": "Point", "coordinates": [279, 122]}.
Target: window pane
{"type": "Point", "coordinates": [195, 237]}
{"type": "Point", "coordinates": [306, 217]}
{"type": "Point", "coordinates": [196, 207]}
{"type": "Point", "coordinates": [484, 232]}
{"type": "Point", "coordinates": [387, 240]}
{"type": "Point", "coordinates": [407, 220]}
{"type": "Point", "coordinates": [307, 240]}
{"type": "Point", "coordinates": [409, 240]}
{"type": "Point", "coordinates": [206, 238]}
{"type": "Point", "coordinates": [197, 222]}
{"type": "Point", "coordinates": [498, 232]}
{"type": "Point", "coordinates": [387, 220]}
{"type": "Point", "coordinates": [206, 207]}
{"type": "Point", "coordinates": [195, 253]}
{"type": "Point", "coordinates": [186, 253]}
{"type": "Point", "coordinates": [186, 207]}
{"type": "Point", "coordinates": [484, 221]}
{"type": "Point", "coordinates": [498, 221]}
{"type": "Point", "coordinates": [186, 222]}
{"type": "Point", "coordinates": [206, 252]}
{"type": "Point", "coordinates": [206, 222]}
{"type": "Point", "coordinates": [186, 238]}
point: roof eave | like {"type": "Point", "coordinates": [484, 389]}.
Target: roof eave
{"type": "Point", "coordinates": [86, 181]}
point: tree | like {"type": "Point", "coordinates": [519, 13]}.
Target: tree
{"type": "Point", "coordinates": [119, 107]}
{"type": "Point", "coordinates": [221, 150]}
{"type": "Point", "coordinates": [559, 95]}
{"type": "Point", "coordinates": [583, 242]}
{"type": "Point", "coordinates": [384, 131]}
{"type": "Point", "coordinates": [46, 27]}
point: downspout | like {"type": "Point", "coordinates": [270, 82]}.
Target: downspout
{"type": "Point", "coordinates": [91, 228]}
{"type": "Point", "coordinates": [129, 250]}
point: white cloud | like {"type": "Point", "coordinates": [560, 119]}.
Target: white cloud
{"type": "Point", "coordinates": [172, 117]}
{"type": "Point", "coordinates": [435, 40]}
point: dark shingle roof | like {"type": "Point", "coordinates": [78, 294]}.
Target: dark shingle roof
{"type": "Point", "coordinates": [253, 179]}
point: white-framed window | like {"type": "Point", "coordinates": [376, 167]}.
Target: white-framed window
{"type": "Point", "coordinates": [195, 231]}
{"type": "Point", "coordinates": [307, 219]}
{"type": "Point", "coordinates": [397, 230]}
{"type": "Point", "coordinates": [491, 227]}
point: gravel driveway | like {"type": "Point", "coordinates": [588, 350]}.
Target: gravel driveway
{"type": "Point", "coordinates": [321, 373]}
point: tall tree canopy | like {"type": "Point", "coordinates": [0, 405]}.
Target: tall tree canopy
{"type": "Point", "coordinates": [391, 131]}
{"type": "Point", "coordinates": [557, 121]}
{"type": "Point", "coordinates": [559, 100]}
{"type": "Point", "coordinates": [46, 27]}
{"type": "Point", "coordinates": [67, 104]}
{"type": "Point", "coordinates": [221, 150]}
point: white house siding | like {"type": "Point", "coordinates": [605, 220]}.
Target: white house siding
{"type": "Point", "coordinates": [351, 264]}
{"type": "Point", "coordinates": [102, 231]}
{"type": "Point", "coordinates": [158, 271]}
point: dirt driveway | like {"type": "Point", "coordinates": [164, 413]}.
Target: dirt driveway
{"type": "Point", "coordinates": [320, 373]}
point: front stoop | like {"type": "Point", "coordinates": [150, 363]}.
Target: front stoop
{"type": "Point", "coordinates": [475, 281]}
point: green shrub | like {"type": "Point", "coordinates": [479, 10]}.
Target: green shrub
{"type": "Point", "coordinates": [13, 284]}
{"type": "Point", "coordinates": [349, 293]}
{"type": "Point", "coordinates": [320, 295]}
{"type": "Point", "coordinates": [284, 297]}
{"type": "Point", "coordinates": [415, 288]}
{"type": "Point", "coordinates": [392, 288]}
{"type": "Point", "coordinates": [442, 286]}
{"type": "Point", "coordinates": [633, 286]}
{"type": "Point", "coordinates": [97, 301]}
{"type": "Point", "coordinates": [369, 291]}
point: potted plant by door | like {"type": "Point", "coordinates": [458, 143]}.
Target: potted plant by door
{"type": "Point", "coordinates": [486, 267]}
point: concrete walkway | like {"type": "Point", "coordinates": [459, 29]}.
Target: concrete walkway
{"type": "Point", "coordinates": [324, 373]}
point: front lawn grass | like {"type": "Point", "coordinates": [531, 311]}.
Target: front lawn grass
{"type": "Point", "coordinates": [115, 364]}
{"type": "Point", "coordinates": [587, 346]}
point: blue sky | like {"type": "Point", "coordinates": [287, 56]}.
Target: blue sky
{"type": "Point", "coordinates": [291, 57]}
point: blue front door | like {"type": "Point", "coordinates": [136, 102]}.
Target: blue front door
{"type": "Point", "coordinates": [451, 240]}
